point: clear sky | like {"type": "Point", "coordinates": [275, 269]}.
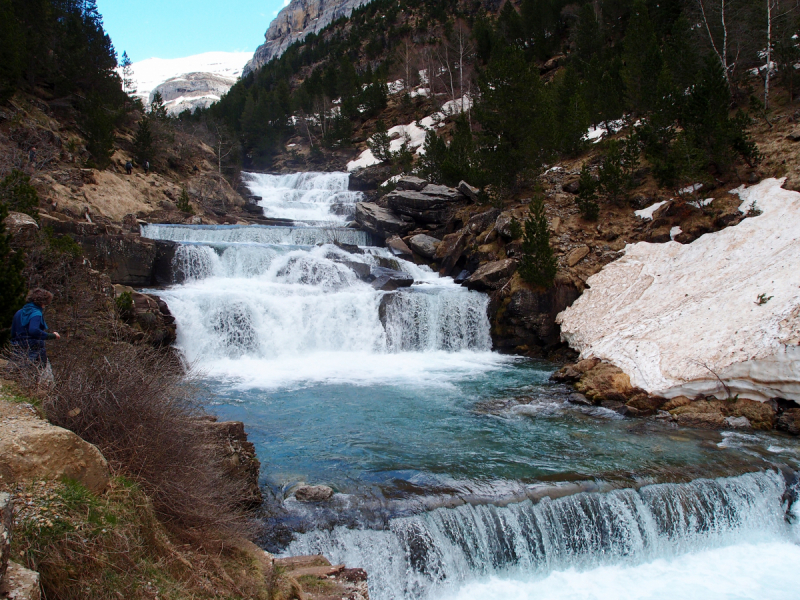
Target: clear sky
{"type": "Point", "coordinates": [178, 28]}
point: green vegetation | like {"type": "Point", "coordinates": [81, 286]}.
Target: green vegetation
{"type": "Point", "coordinates": [183, 202]}
{"type": "Point", "coordinates": [587, 195]}
{"type": "Point", "coordinates": [18, 195]}
{"type": "Point", "coordinates": [538, 265]}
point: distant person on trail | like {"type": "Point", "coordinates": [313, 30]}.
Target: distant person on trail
{"type": "Point", "coordinates": [129, 167]}
{"type": "Point", "coordinates": [29, 330]}
{"type": "Point", "coordinates": [147, 166]}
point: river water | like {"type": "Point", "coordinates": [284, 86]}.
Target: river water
{"type": "Point", "coordinates": [460, 473]}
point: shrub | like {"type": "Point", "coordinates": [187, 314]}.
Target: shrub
{"type": "Point", "coordinates": [380, 143]}
{"type": "Point", "coordinates": [183, 202]}
{"type": "Point", "coordinates": [124, 304]}
{"type": "Point", "coordinates": [17, 193]}
{"type": "Point", "coordinates": [133, 404]}
{"type": "Point", "coordinates": [587, 195]}
{"type": "Point", "coordinates": [538, 265]}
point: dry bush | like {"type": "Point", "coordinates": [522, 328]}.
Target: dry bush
{"type": "Point", "coordinates": [134, 404]}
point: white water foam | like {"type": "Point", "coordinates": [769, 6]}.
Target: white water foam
{"type": "Point", "coordinates": [314, 197]}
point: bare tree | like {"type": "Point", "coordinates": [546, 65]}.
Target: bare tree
{"type": "Point", "coordinates": [776, 12]}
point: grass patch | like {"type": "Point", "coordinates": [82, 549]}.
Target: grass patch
{"type": "Point", "coordinates": [88, 546]}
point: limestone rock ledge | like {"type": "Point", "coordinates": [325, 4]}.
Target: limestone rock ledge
{"type": "Point", "coordinates": [680, 319]}
{"type": "Point", "coordinates": [31, 448]}
{"type": "Point", "coordinates": [20, 583]}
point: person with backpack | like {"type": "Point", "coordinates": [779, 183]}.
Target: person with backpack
{"type": "Point", "coordinates": [146, 166]}
{"type": "Point", "coordinates": [29, 330]}
{"type": "Point", "coordinates": [129, 167]}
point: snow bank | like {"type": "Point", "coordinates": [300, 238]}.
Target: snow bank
{"type": "Point", "coordinates": [414, 133]}
{"type": "Point", "coordinates": [647, 213]}
{"type": "Point", "coordinates": [670, 314]}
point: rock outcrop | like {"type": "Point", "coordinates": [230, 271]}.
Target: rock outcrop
{"type": "Point", "coordinates": [20, 583]}
{"type": "Point", "coordinates": [191, 91]}
{"type": "Point", "coordinates": [295, 22]}
{"type": "Point", "coordinates": [681, 319]}
{"type": "Point", "coordinates": [31, 448]}
{"type": "Point", "coordinates": [22, 228]}
{"type": "Point", "coordinates": [381, 221]}
{"type": "Point", "coordinates": [239, 456]}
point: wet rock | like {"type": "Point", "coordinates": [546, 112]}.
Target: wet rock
{"type": "Point", "coordinates": [712, 412]}
{"type": "Point", "coordinates": [127, 259]}
{"type": "Point", "coordinates": [6, 529]}
{"type": "Point", "coordinates": [577, 255]}
{"type": "Point", "coordinates": [646, 404]}
{"type": "Point", "coordinates": [461, 277]}
{"type": "Point", "coordinates": [313, 493]}
{"type": "Point", "coordinates": [605, 382]}
{"type": "Point", "coordinates": [738, 422]}
{"type": "Point", "coordinates": [381, 221]}
{"type": "Point", "coordinates": [789, 421]}
{"type": "Point", "coordinates": [576, 398]}
{"type": "Point", "coordinates": [398, 247]}
{"type": "Point", "coordinates": [22, 228]}
{"type": "Point", "coordinates": [388, 280]}
{"type": "Point", "coordinates": [362, 270]}
{"type": "Point", "coordinates": [490, 275]}
{"type": "Point", "coordinates": [449, 252]}
{"type": "Point", "coordinates": [705, 420]}
{"type": "Point", "coordinates": [414, 184]}
{"type": "Point", "coordinates": [32, 449]}
{"type": "Point", "coordinates": [20, 583]}
{"type": "Point", "coordinates": [163, 271]}
{"type": "Point", "coordinates": [424, 245]}
{"type": "Point", "coordinates": [469, 191]}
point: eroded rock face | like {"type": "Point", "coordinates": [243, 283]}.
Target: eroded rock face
{"type": "Point", "coordinates": [31, 449]}
{"type": "Point", "coordinates": [381, 221]}
{"type": "Point", "coordinates": [6, 529]}
{"type": "Point", "coordinates": [20, 583]}
{"type": "Point", "coordinates": [239, 455]}
{"type": "Point", "coordinates": [424, 245]}
{"type": "Point", "coordinates": [192, 90]}
{"type": "Point", "coordinates": [491, 275]}
{"type": "Point", "coordinates": [295, 22]}
{"type": "Point", "coordinates": [128, 259]}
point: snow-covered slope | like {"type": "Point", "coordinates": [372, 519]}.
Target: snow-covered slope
{"type": "Point", "coordinates": [212, 74]}
{"type": "Point", "coordinates": [675, 317]}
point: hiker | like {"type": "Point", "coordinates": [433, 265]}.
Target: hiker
{"type": "Point", "coordinates": [129, 167]}
{"type": "Point", "coordinates": [29, 330]}
{"type": "Point", "coordinates": [146, 166]}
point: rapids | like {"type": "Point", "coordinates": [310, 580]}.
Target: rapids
{"type": "Point", "coordinates": [460, 473]}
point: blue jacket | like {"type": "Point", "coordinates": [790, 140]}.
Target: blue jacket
{"type": "Point", "coordinates": [29, 331]}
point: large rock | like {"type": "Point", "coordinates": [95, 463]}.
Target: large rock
{"type": "Point", "coordinates": [449, 252]}
{"type": "Point", "coordinates": [150, 315]}
{"type": "Point", "coordinates": [381, 221]}
{"type": "Point", "coordinates": [491, 275]}
{"type": "Point", "coordinates": [398, 246]}
{"type": "Point", "coordinates": [313, 493]}
{"type": "Point", "coordinates": [388, 280]}
{"type": "Point", "coordinates": [369, 179]}
{"type": "Point", "coordinates": [414, 184]}
{"type": "Point", "coordinates": [424, 245]}
{"type": "Point", "coordinates": [483, 221]}
{"type": "Point", "coordinates": [469, 191]}
{"type": "Point", "coordinates": [434, 204]}
{"type": "Point", "coordinates": [20, 583]}
{"type": "Point", "coordinates": [23, 228]}
{"type": "Point", "coordinates": [678, 318]}
{"type": "Point", "coordinates": [128, 259]}
{"type": "Point", "coordinates": [6, 529]}
{"type": "Point", "coordinates": [789, 421]}
{"type": "Point", "coordinates": [31, 449]}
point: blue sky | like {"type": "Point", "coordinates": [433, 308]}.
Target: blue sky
{"type": "Point", "coordinates": [177, 28]}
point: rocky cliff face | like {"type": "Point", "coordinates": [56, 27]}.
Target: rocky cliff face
{"type": "Point", "coordinates": [192, 90]}
{"type": "Point", "coordinates": [295, 22]}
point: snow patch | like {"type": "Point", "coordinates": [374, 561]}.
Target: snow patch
{"type": "Point", "coordinates": [675, 316]}
{"type": "Point", "coordinates": [675, 232]}
{"type": "Point", "coordinates": [647, 213]}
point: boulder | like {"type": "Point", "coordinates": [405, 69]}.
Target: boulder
{"type": "Point", "coordinates": [22, 228]}
{"type": "Point", "coordinates": [414, 184]}
{"type": "Point", "coordinates": [789, 421]}
{"type": "Point", "coordinates": [398, 247]}
{"type": "Point", "coordinates": [424, 245]}
{"type": "Point", "coordinates": [381, 221]}
{"type": "Point", "coordinates": [469, 191]}
{"type": "Point", "coordinates": [491, 275]}
{"type": "Point", "coordinates": [20, 583]}
{"type": "Point", "coordinates": [503, 225]}
{"type": "Point", "coordinates": [6, 529]}
{"type": "Point", "coordinates": [369, 179]}
{"type": "Point", "coordinates": [481, 222]}
{"type": "Point", "coordinates": [605, 383]}
{"type": "Point", "coordinates": [31, 449]}
{"type": "Point", "coordinates": [313, 493]}
{"type": "Point", "coordinates": [717, 414]}
{"type": "Point", "coordinates": [450, 250]}
{"type": "Point", "coordinates": [442, 191]}
{"type": "Point", "coordinates": [432, 205]}
{"type": "Point", "coordinates": [577, 255]}
{"type": "Point", "coordinates": [572, 187]}
{"type": "Point", "coordinates": [388, 280]}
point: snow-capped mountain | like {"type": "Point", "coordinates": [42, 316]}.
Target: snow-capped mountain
{"type": "Point", "coordinates": [190, 82]}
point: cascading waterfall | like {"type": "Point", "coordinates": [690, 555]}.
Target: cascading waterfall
{"type": "Point", "coordinates": [425, 555]}
{"type": "Point", "coordinates": [382, 393]}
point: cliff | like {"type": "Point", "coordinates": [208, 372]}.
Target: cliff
{"type": "Point", "coordinates": [295, 22]}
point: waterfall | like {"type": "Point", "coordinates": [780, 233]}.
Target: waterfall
{"type": "Point", "coordinates": [310, 197]}
{"type": "Point", "coordinates": [423, 556]}
{"type": "Point", "coordinates": [263, 298]}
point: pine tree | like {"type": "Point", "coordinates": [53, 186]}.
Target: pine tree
{"type": "Point", "coordinates": [587, 195]}
{"type": "Point", "coordinates": [434, 153]}
{"type": "Point", "coordinates": [538, 265]}
{"type": "Point", "coordinates": [18, 195]}
{"type": "Point", "coordinates": [143, 141]}
{"type": "Point", "coordinates": [380, 143]}
{"type": "Point", "coordinates": [128, 83]}
{"type": "Point", "coordinates": [157, 109]}
{"type": "Point", "coordinates": [642, 58]}
{"type": "Point", "coordinates": [12, 283]}
{"type": "Point", "coordinates": [183, 202]}
{"type": "Point", "coordinates": [98, 126]}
